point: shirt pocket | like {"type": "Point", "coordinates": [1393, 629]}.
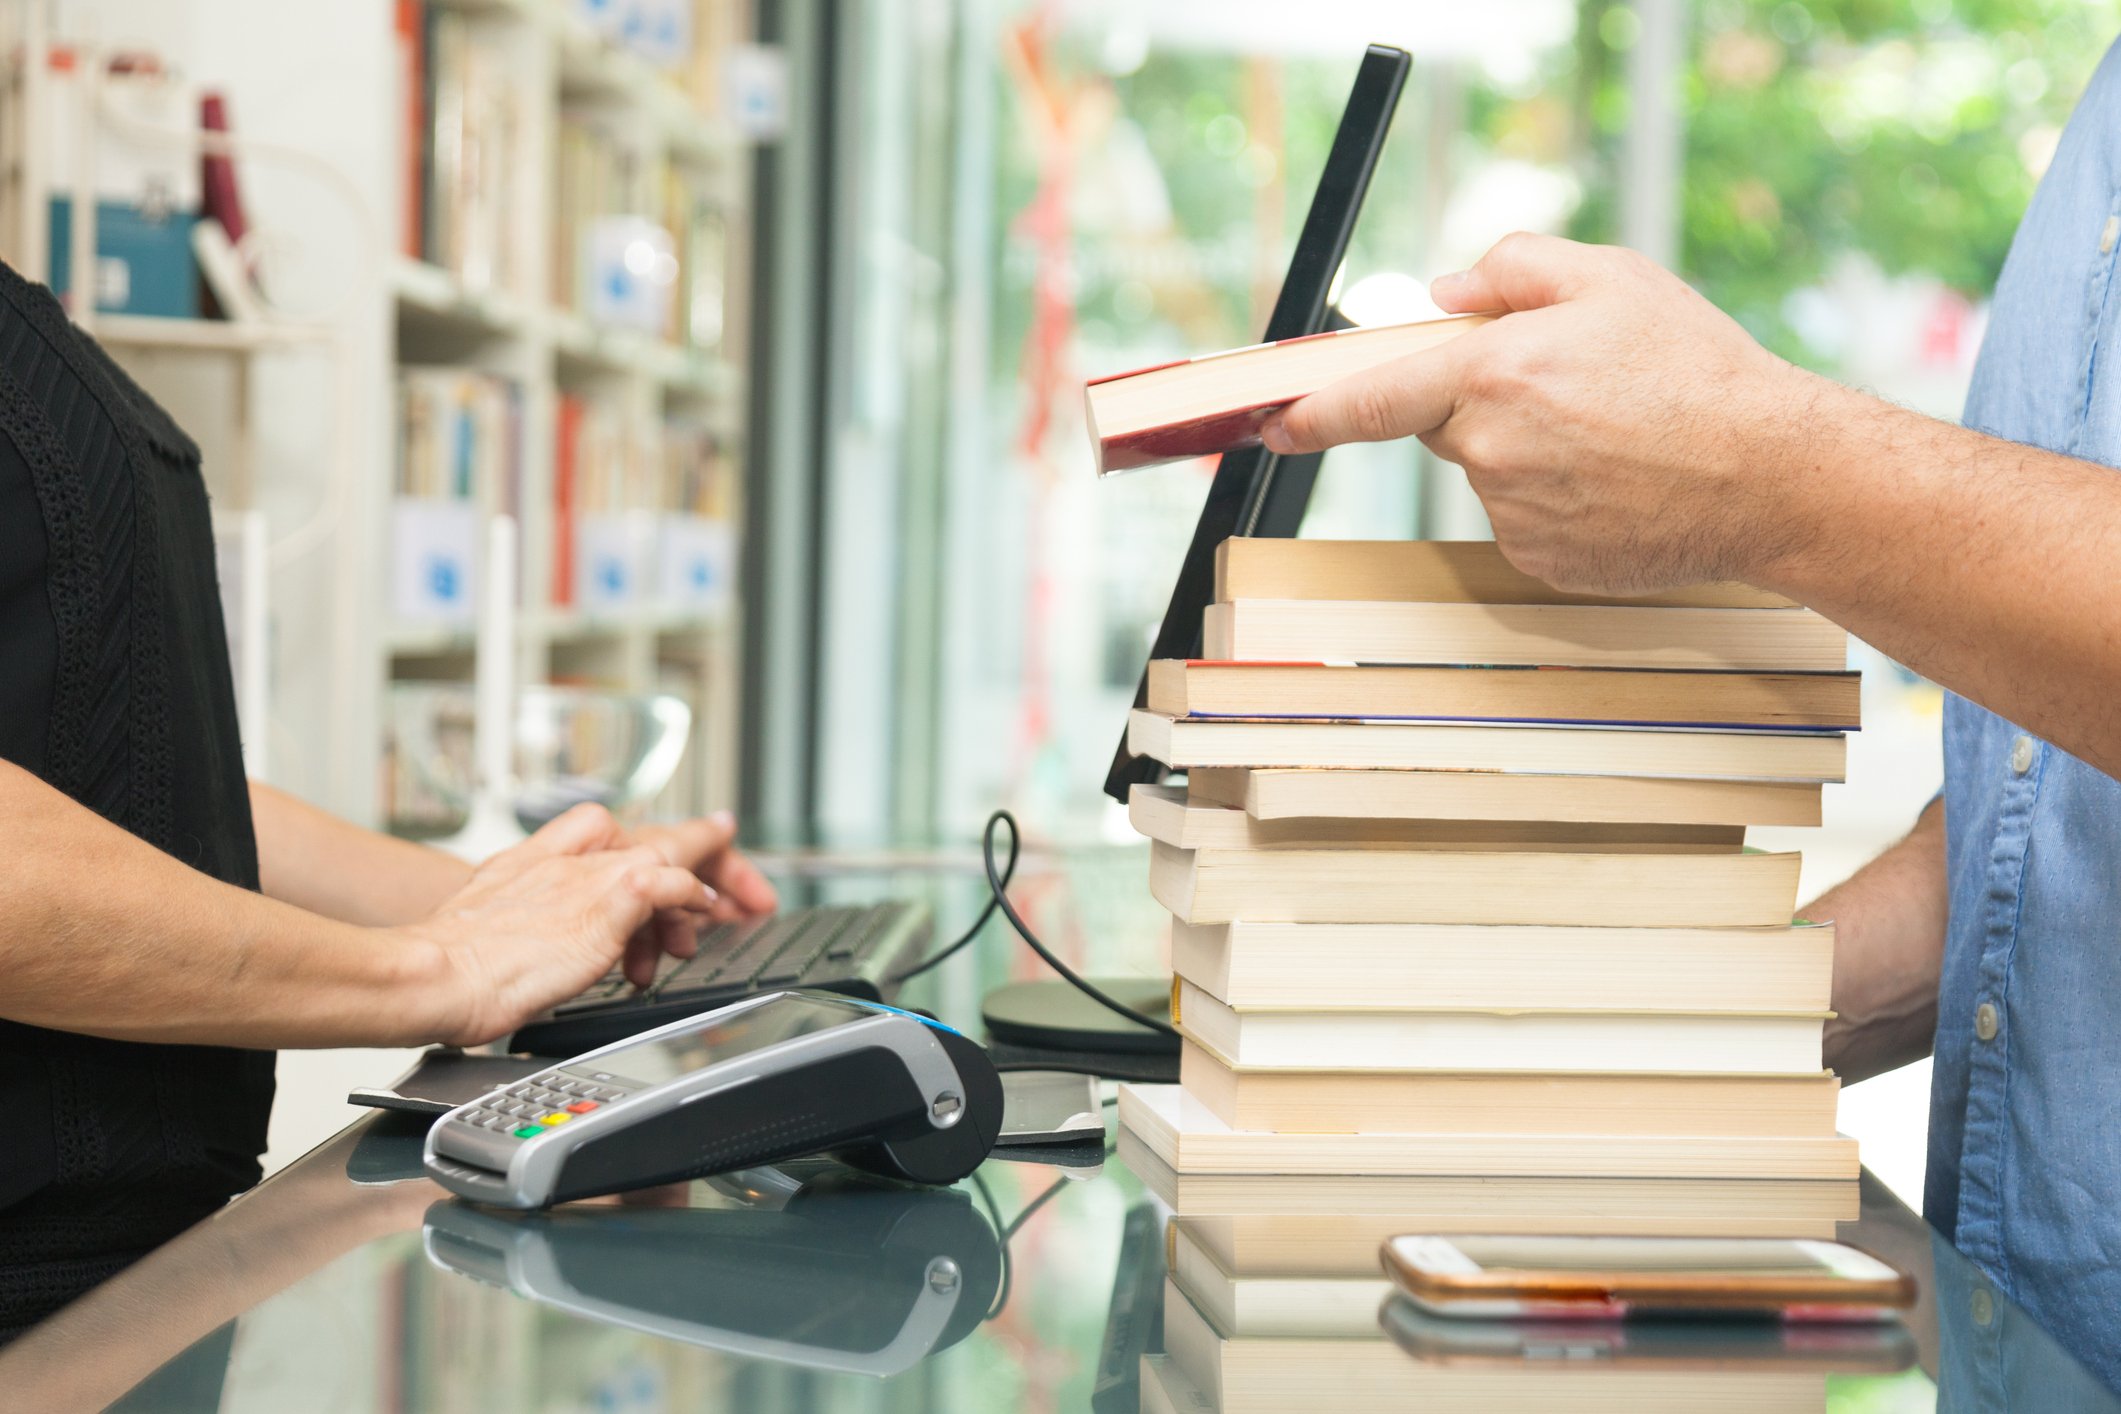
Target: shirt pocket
{"type": "Point", "coordinates": [2097, 434]}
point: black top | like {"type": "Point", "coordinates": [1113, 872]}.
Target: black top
{"type": "Point", "coordinates": [115, 689]}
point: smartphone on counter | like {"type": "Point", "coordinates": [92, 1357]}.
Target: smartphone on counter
{"type": "Point", "coordinates": [1611, 1278]}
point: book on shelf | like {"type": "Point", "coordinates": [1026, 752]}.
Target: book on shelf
{"type": "Point", "coordinates": [602, 173]}
{"type": "Point", "coordinates": [459, 459]}
{"type": "Point", "coordinates": [1507, 693]}
{"type": "Point", "coordinates": [1296, 1222]}
{"type": "Point", "coordinates": [638, 241]}
{"type": "Point", "coordinates": [1465, 795]}
{"type": "Point", "coordinates": [460, 438]}
{"type": "Point", "coordinates": [1448, 1101]}
{"type": "Point", "coordinates": [1748, 890]}
{"type": "Point", "coordinates": [1532, 635]}
{"type": "Point", "coordinates": [1427, 572]}
{"type": "Point", "coordinates": [1166, 814]}
{"type": "Point", "coordinates": [465, 130]}
{"type": "Point", "coordinates": [1506, 967]}
{"type": "Point", "coordinates": [1186, 743]}
{"type": "Point", "coordinates": [642, 511]}
{"type": "Point", "coordinates": [1352, 1037]}
{"type": "Point", "coordinates": [1215, 403]}
{"type": "Point", "coordinates": [1188, 1136]}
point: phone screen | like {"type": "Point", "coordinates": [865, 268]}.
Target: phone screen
{"type": "Point", "coordinates": [1736, 1256]}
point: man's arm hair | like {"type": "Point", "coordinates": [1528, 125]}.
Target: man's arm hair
{"type": "Point", "coordinates": [1982, 564]}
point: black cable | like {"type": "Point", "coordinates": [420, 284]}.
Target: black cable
{"type": "Point", "coordinates": [994, 1215]}
{"type": "Point", "coordinates": [997, 883]}
{"type": "Point", "coordinates": [1004, 1232]}
{"type": "Point", "coordinates": [994, 896]}
{"type": "Point", "coordinates": [998, 898]}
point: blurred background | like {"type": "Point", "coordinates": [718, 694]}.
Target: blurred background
{"type": "Point", "coordinates": [766, 324]}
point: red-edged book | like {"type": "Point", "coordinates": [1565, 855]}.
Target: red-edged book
{"type": "Point", "coordinates": [1216, 403]}
{"type": "Point", "coordinates": [567, 453]}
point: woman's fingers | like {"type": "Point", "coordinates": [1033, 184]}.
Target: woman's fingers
{"type": "Point", "coordinates": [739, 881]}
{"type": "Point", "coordinates": [581, 830]}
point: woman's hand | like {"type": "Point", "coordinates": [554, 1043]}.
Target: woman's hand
{"type": "Point", "coordinates": [706, 848]}
{"type": "Point", "coordinates": [541, 921]}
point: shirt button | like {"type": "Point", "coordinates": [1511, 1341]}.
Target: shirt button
{"type": "Point", "coordinates": [2021, 755]}
{"type": "Point", "coordinates": [1984, 1306]}
{"type": "Point", "coordinates": [1985, 1021]}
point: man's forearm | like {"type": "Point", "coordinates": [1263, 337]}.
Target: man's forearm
{"type": "Point", "coordinates": [1889, 922]}
{"type": "Point", "coordinates": [1982, 564]}
{"type": "Point", "coordinates": [315, 860]}
{"type": "Point", "coordinates": [102, 933]}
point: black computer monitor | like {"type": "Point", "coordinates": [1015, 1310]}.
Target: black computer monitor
{"type": "Point", "coordinates": [1256, 492]}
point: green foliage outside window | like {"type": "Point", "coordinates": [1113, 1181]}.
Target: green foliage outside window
{"type": "Point", "coordinates": [1912, 133]}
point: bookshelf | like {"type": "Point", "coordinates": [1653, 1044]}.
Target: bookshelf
{"type": "Point", "coordinates": [461, 278]}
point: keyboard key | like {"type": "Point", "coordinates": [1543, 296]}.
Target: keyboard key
{"type": "Point", "coordinates": [528, 1131]}
{"type": "Point", "coordinates": [582, 1107]}
{"type": "Point", "coordinates": [556, 1118]}
{"type": "Point", "coordinates": [786, 964]}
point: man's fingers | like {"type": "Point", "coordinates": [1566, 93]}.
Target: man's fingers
{"type": "Point", "coordinates": [1520, 271]}
{"type": "Point", "coordinates": [1403, 398]}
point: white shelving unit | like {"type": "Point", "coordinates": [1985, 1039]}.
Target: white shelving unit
{"type": "Point", "coordinates": [516, 332]}
{"type": "Point", "coordinates": [336, 648]}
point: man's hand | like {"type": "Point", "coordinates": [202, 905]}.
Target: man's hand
{"type": "Point", "coordinates": [1624, 434]}
{"type": "Point", "coordinates": [539, 922]}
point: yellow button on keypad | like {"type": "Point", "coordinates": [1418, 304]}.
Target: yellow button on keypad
{"type": "Point", "coordinates": [554, 1118]}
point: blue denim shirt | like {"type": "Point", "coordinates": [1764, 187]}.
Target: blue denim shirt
{"type": "Point", "coordinates": [2025, 1110]}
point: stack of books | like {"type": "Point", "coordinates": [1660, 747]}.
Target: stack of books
{"type": "Point", "coordinates": [1466, 936]}
{"type": "Point", "coordinates": [1495, 916]}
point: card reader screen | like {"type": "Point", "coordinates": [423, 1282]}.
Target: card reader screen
{"type": "Point", "coordinates": [752, 1029]}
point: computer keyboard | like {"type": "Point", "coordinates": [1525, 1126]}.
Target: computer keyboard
{"type": "Point", "coordinates": [854, 950]}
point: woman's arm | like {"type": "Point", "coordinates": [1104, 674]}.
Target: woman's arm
{"type": "Point", "coordinates": [102, 933]}
{"type": "Point", "coordinates": [314, 860]}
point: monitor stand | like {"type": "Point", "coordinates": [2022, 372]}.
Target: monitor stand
{"type": "Point", "coordinates": [1053, 1016]}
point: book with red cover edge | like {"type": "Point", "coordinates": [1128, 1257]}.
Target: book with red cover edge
{"type": "Point", "coordinates": [1224, 431]}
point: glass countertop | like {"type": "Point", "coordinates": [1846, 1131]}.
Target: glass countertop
{"type": "Point", "coordinates": [1082, 1278]}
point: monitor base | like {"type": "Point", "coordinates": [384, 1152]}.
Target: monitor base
{"type": "Point", "coordinates": [1054, 1016]}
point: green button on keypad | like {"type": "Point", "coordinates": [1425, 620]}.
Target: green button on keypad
{"type": "Point", "coordinates": [527, 1131]}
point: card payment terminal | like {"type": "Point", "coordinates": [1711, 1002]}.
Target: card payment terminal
{"type": "Point", "coordinates": [764, 1080]}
